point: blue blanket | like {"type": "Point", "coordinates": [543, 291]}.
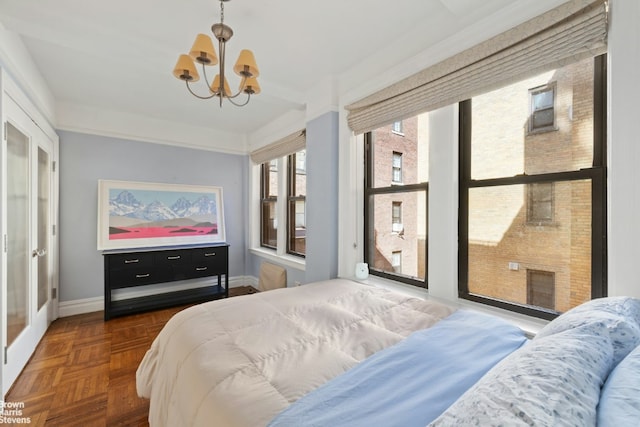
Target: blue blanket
{"type": "Point", "coordinates": [412, 382]}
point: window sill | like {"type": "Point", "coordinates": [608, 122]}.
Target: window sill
{"type": "Point", "coordinates": [532, 132]}
{"type": "Point", "coordinates": [530, 325]}
{"type": "Point", "coordinates": [287, 260]}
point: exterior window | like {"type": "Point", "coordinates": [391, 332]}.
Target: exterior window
{"type": "Point", "coordinates": [397, 128]}
{"type": "Point", "coordinates": [540, 203]}
{"type": "Point", "coordinates": [541, 287]}
{"type": "Point", "coordinates": [296, 199]}
{"type": "Point", "coordinates": [268, 200]}
{"type": "Point", "coordinates": [396, 177]}
{"type": "Point", "coordinates": [396, 165]}
{"type": "Point", "coordinates": [396, 261]}
{"type": "Point", "coordinates": [511, 180]}
{"type": "Point", "coordinates": [542, 116]}
{"type": "Point", "coordinates": [396, 217]}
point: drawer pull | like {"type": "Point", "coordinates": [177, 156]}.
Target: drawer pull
{"type": "Point", "coordinates": [174, 257]}
{"type": "Point", "coordinates": [131, 261]}
{"type": "Point", "coordinates": [142, 276]}
{"type": "Point", "coordinates": [210, 254]}
{"type": "Point", "coordinates": [201, 268]}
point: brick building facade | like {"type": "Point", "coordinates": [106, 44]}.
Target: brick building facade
{"type": "Point", "coordinates": [528, 244]}
{"type": "Point", "coordinates": [400, 157]}
{"type": "Point", "coordinates": [510, 249]}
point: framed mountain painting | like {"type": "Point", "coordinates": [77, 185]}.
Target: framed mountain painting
{"type": "Point", "coordinates": [143, 214]}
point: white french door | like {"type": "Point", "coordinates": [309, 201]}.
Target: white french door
{"type": "Point", "coordinates": [28, 270]}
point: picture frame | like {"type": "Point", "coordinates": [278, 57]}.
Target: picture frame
{"type": "Point", "coordinates": [145, 214]}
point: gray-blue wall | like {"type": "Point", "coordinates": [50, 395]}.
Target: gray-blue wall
{"type": "Point", "coordinates": [84, 159]}
{"type": "Point", "coordinates": [322, 198]}
{"type": "Point", "coordinates": [321, 260]}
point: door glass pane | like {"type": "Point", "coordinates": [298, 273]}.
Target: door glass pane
{"type": "Point", "coordinates": [18, 231]}
{"type": "Point", "coordinates": [43, 227]}
{"type": "Point", "coordinates": [504, 245]}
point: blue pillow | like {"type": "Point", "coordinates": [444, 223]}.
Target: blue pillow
{"type": "Point", "coordinates": [620, 397]}
{"type": "Point", "coordinates": [620, 315]}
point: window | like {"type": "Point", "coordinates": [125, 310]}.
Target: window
{"type": "Point", "coordinates": [396, 128]}
{"type": "Point", "coordinates": [540, 203]}
{"type": "Point", "coordinates": [396, 217]}
{"type": "Point", "coordinates": [396, 178]}
{"type": "Point", "coordinates": [268, 201]}
{"type": "Point", "coordinates": [396, 168]}
{"type": "Point", "coordinates": [396, 261]}
{"type": "Point", "coordinates": [510, 180]}
{"type": "Point", "coordinates": [291, 171]}
{"type": "Point", "coordinates": [296, 199]}
{"type": "Point", "coordinates": [543, 115]}
{"type": "Point", "coordinates": [541, 289]}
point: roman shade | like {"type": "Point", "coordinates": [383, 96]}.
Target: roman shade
{"type": "Point", "coordinates": [289, 144]}
{"type": "Point", "coordinates": [566, 34]}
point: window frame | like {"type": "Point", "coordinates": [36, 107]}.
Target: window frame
{"type": "Point", "coordinates": [292, 199]}
{"type": "Point", "coordinates": [530, 286]}
{"type": "Point", "coordinates": [397, 127]}
{"type": "Point", "coordinates": [369, 192]}
{"type": "Point", "coordinates": [597, 175]}
{"type": "Point", "coordinates": [266, 199]}
{"type": "Point", "coordinates": [396, 219]}
{"type": "Point", "coordinates": [550, 87]}
{"type": "Point", "coordinates": [396, 266]}
{"type": "Point", "coordinates": [531, 220]}
{"type": "Point", "coordinates": [394, 168]}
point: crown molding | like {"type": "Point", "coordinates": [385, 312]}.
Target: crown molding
{"type": "Point", "coordinates": [95, 121]}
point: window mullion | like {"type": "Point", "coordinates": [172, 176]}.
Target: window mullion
{"type": "Point", "coordinates": [281, 207]}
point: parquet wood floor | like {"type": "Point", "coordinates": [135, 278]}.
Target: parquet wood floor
{"type": "Point", "coordinates": [83, 370]}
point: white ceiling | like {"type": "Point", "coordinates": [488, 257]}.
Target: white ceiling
{"type": "Point", "coordinates": [118, 55]}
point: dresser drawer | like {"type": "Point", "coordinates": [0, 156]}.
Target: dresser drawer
{"type": "Point", "coordinates": [210, 256]}
{"type": "Point", "coordinates": [125, 277]}
{"type": "Point", "coordinates": [177, 257]}
{"type": "Point", "coordinates": [130, 261]}
{"type": "Point", "coordinates": [192, 271]}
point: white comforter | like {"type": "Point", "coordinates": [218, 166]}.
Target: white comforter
{"type": "Point", "coordinates": [240, 361]}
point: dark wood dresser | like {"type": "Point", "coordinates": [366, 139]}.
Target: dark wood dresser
{"type": "Point", "coordinates": [128, 269]}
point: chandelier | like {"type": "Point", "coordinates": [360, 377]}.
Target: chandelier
{"type": "Point", "coordinates": [204, 54]}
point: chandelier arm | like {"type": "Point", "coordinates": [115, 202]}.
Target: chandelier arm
{"type": "Point", "coordinates": [206, 80]}
{"type": "Point", "coordinates": [242, 83]}
{"type": "Point", "coordinates": [196, 95]}
{"type": "Point", "coordinates": [238, 104]}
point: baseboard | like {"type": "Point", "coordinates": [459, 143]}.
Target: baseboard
{"type": "Point", "coordinates": [250, 281]}
{"type": "Point", "coordinates": [90, 305]}
{"type": "Point", "coordinates": [80, 306]}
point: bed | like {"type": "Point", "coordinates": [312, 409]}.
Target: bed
{"type": "Point", "coordinates": [342, 353]}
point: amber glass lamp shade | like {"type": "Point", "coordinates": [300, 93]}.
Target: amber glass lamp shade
{"type": "Point", "coordinates": [246, 63]}
{"type": "Point", "coordinates": [202, 50]}
{"type": "Point", "coordinates": [251, 86]}
{"type": "Point", "coordinates": [215, 86]}
{"type": "Point", "coordinates": [185, 69]}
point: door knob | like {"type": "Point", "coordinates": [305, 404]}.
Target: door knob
{"type": "Point", "coordinates": [38, 252]}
